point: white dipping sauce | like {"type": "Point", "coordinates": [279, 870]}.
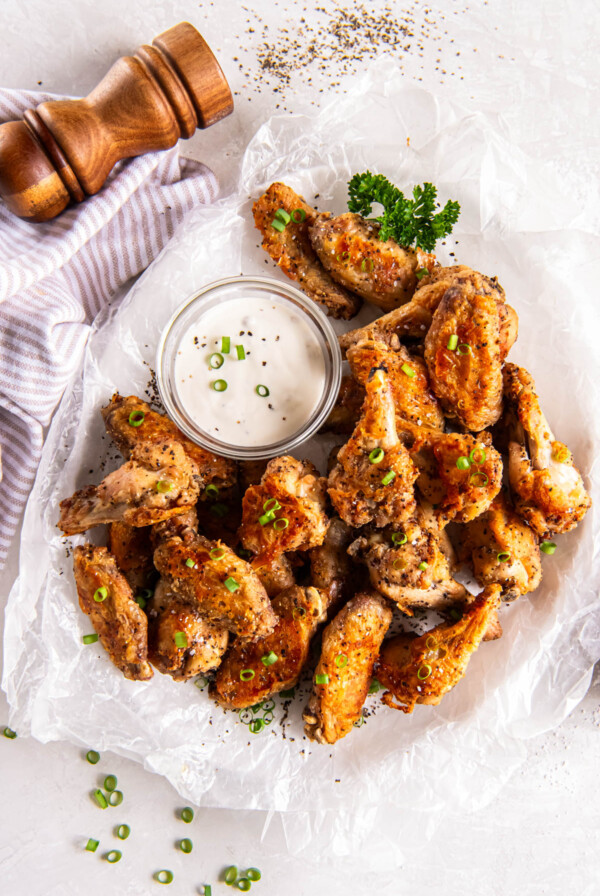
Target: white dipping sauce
{"type": "Point", "coordinates": [282, 352]}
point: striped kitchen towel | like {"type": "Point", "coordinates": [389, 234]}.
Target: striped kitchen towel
{"type": "Point", "coordinates": [56, 276]}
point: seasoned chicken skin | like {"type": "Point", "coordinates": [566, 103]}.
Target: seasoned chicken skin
{"type": "Point", "coordinates": [132, 549]}
{"type": "Point", "coordinates": [349, 650]}
{"type": "Point", "coordinates": [159, 481]}
{"type": "Point", "coordinates": [344, 415]}
{"type": "Point", "coordinates": [301, 495]}
{"type": "Point", "coordinates": [411, 564]}
{"type": "Point", "coordinates": [382, 272]}
{"type": "Point", "coordinates": [181, 642]}
{"type": "Point", "coordinates": [422, 669]}
{"type": "Point", "coordinates": [502, 549]}
{"type": "Point", "coordinates": [292, 250]}
{"type": "Point", "coordinates": [375, 487]}
{"type": "Point", "coordinates": [276, 575]}
{"type": "Point", "coordinates": [155, 427]}
{"type": "Point", "coordinates": [330, 567]}
{"type": "Point", "coordinates": [120, 623]}
{"type": "Point", "coordinates": [299, 612]}
{"type": "Point", "coordinates": [548, 488]}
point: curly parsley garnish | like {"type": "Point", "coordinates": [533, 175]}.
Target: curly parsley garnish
{"type": "Point", "coordinates": [407, 221]}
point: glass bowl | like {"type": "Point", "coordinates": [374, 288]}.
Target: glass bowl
{"type": "Point", "coordinates": [191, 314]}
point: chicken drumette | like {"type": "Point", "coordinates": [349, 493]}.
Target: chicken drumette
{"type": "Point", "coordinates": [132, 549]}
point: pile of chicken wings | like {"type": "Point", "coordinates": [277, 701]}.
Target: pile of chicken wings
{"type": "Point", "coordinates": [236, 570]}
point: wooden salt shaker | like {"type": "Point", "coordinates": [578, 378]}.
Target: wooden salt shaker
{"type": "Point", "coordinates": [64, 150]}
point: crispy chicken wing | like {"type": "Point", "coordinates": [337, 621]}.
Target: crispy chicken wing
{"type": "Point", "coordinates": [276, 575]}
{"type": "Point", "coordinates": [105, 596]}
{"type": "Point", "coordinates": [382, 272]}
{"type": "Point", "coordinates": [411, 564]}
{"type": "Point", "coordinates": [350, 647]}
{"type": "Point", "coordinates": [421, 669]}
{"type": "Point", "coordinates": [374, 475]}
{"type": "Point", "coordinates": [502, 549]}
{"type": "Point", "coordinates": [155, 427]}
{"type": "Point", "coordinates": [291, 249]}
{"type": "Point", "coordinates": [330, 568]}
{"type": "Point", "coordinates": [345, 413]}
{"type": "Point", "coordinates": [548, 488]}
{"type": "Point", "coordinates": [299, 612]}
{"type": "Point", "coordinates": [132, 549]}
{"type": "Point", "coordinates": [291, 490]}
{"type": "Point", "coordinates": [181, 642]}
{"type": "Point", "coordinates": [159, 481]}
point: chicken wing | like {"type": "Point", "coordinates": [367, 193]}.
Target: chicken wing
{"type": "Point", "coordinates": [345, 413]}
{"type": "Point", "coordinates": [291, 249]}
{"type": "Point", "coordinates": [350, 648]}
{"type": "Point", "coordinates": [331, 570]}
{"type": "Point", "coordinates": [421, 669]}
{"type": "Point", "coordinates": [291, 491]}
{"type": "Point", "coordinates": [251, 672]}
{"type": "Point", "coordinates": [502, 550]}
{"type": "Point", "coordinates": [276, 575]}
{"type": "Point", "coordinates": [382, 272]}
{"type": "Point", "coordinates": [132, 549]}
{"type": "Point", "coordinates": [105, 596]}
{"type": "Point", "coordinates": [181, 642]}
{"type": "Point", "coordinates": [131, 422]}
{"type": "Point", "coordinates": [374, 475]}
{"type": "Point", "coordinates": [548, 488]}
{"type": "Point", "coordinates": [412, 564]}
{"type": "Point", "coordinates": [159, 481]}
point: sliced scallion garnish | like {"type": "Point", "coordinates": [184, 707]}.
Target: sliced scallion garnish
{"type": "Point", "coordinates": [256, 726]}
{"type": "Point", "coordinates": [422, 272]}
{"type": "Point", "coordinates": [548, 547]}
{"type": "Point", "coordinates": [219, 509]}
{"type": "Point", "coordinates": [479, 479]}
{"type": "Point", "coordinates": [267, 517]}
{"type": "Point", "coordinates": [191, 563]}
{"type": "Point", "coordinates": [464, 349]}
{"type": "Point", "coordinates": [136, 418]}
{"type": "Point", "coordinates": [244, 884]}
{"type": "Point", "coordinates": [452, 342]}
{"type": "Point", "coordinates": [282, 215]}
{"type": "Point", "coordinates": [376, 455]}
{"type": "Point", "coordinates": [163, 486]}
{"type": "Point", "coordinates": [389, 477]}
{"type": "Point", "coordinates": [187, 814]}
{"type": "Point", "coordinates": [216, 553]}
{"type": "Point", "coordinates": [231, 584]}
{"type": "Point", "coordinates": [115, 798]}
{"type": "Point", "coordinates": [180, 639]}
{"type": "Point", "coordinates": [341, 660]}
{"type": "Point", "coordinates": [272, 504]}
{"type": "Point", "coordinates": [322, 678]}
{"type": "Point", "coordinates": [211, 491]}
{"type": "Point", "coordinates": [298, 215]}
{"type": "Point", "coordinates": [477, 456]}
{"type": "Point", "coordinates": [216, 360]}
{"type": "Point", "coordinates": [100, 799]}
{"type": "Point", "coordinates": [278, 225]}
{"type": "Point", "coordinates": [424, 672]}
{"type": "Point", "coordinates": [89, 639]}
{"type": "Point", "coordinates": [219, 385]}
{"type": "Point", "coordinates": [164, 876]}
{"type": "Point", "coordinates": [110, 783]}
{"type": "Point", "coordinates": [186, 845]}
{"type": "Point", "coordinates": [281, 523]}
{"type": "Point", "coordinates": [92, 757]}
{"type": "Point", "coordinates": [92, 845]}
{"type": "Point", "coordinates": [503, 556]}
{"type": "Point", "coordinates": [230, 875]}
{"type": "Point", "coordinates": [123, 831]}
{"type": "Point", "coordinates": [269, 658]}
{"type": "Point", "coordinates": [407, 369]}
{"type": "Point", "coordinates": [113, 856]}
{"type": "Point", "coordinates": [100, 594]}
{"type": "Point", "coordinates": [423, 565]}
{"type": "Point", "coordinates": [10, 734]}
{"type": "Point", "coordinates": [247, 674]}
{"type": "Point", "coordinates": [253, 874]}
{"type": "Point", "coordinates": [463, 463]}
{"type": "Point", "coordinates": [399, 538]}
{"type": "Point", "coordinates": [263, 391]}
{"type": "Point", "coordinates": [240, 352]}
{"type": "Point", "coordinates": [225, 345]}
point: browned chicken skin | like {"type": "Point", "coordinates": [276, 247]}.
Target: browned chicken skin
{"type": "Point", "coordinates": [349, 650]}
{"type": "Point", "coordinates": [299, 612]}
{"type": "Point", "coordinates": [382, 272]}
{"type": "Point", "coordinates": [292, 251]}
{"type": "Point", "coordinates": [548, 488]}
{"type": "Point", "coordinates": [132, 549]}
{"type": "Point", "coordinates": [422, 669]}
{"type": "Point", "coordinates": [363, 489]}
{"type": "Point", "coordinates": [276, 575]}
{"type": "Point", "coordinates": [116, 617]}
{"type": "Point", "coordinates": [346, 410]}
{"type": "Point", "coordinates": [159, 481]}
{"type": "Point", "coordinates": [330, 567]}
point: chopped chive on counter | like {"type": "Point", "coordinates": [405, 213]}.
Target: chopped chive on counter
{"type": "Point", "coordinates": [187, 814]}
{"type": "Point", "coordinates": [115, 798]}
{"type": "Point", "coordinates": [231, 584]}
{"type": "Point", "coordinates": [10, 734]}
{"type": "Point", "coordinates": [90, 639]}
{"type": "Point", "coordinates": [113, 856]}
{"type": "Point", "coordinates": [123, 831]}
{"type": "Point", "coordinates": [256, 726]}
{"type": "Point", "coordinates": [92, 845]}
{"type": "Point", "coordinates": [110, 783]}
{"type": "Point", "coordinates": [164, 876]}
{"type": "Point", "coordinates": [269, 658]}
{"type": "Point", "coordinates": [136, 418]}
{"type": "Point", "coordinates": [180, 639]}
{"type": "Point", "coordinates": [244, 884]}
{"type": "Point", "coordinates": [548, 547]}
{"type": "Point", "coordinates": [186, 845]}
{"type": "Point", "coordinates": [207, 890]}
{"type": "Point", "coordinates": [100, 799]}
{"type": "Point", "coordinates": [92, 757]}
{"type": "Point", "coordinates": [253, 874]}
{"type": "Point", "coordinates": [230, 875]}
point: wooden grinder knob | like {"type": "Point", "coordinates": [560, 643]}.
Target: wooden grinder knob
{"type": "Point", "coordinates": [64, 150]}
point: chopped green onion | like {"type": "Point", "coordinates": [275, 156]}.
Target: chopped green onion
{"type": "Point", "coordinates": [201, 682]}
{"type": "Point", "coordinates": [399, 538]}
{"type": "Point", "coordinates": [140, 601]}
{"type": "Point", "coordinates": [268, 718]}
{"type": "Point", "coordinates": [473, 456]}
{"type": "Point", "coordinates": [367, 263]}
{"type": "Point", "coordinates": [463, 463]}
{"type": "Point", "coordinates": [287, 694]}
{"type": "Point", "coordinates": [164, 877]}
{"type": "Point", "coordinates": [113, 856]}
{"type": "Point", "coordinates": [560, 453]}
{"type": "Point", "coordinates": [278, 225]}
{"type": "Point", "coordinates": [230, 875]}
{"type": "Point", "coordinates": [163, 485]}
{"type": "Point", "coordinates": [343, 257]}
{"type": "Point", "coordinates": [110, 783]}
{"type": "Point", "coordinates": [464, 349]}
{"type": "Point", "coordinates": [263, 391]}
{"type": "Point", "coordinates": [219, 385]}
{"type": "Point", "coordinates": [100, 799]}
{"type": "Point", "coordinates": [231, 584]}
{"type": "Point", "coordinates": [389, 477]}
{"type": "Point", "coordinates": [186, 845]}
{"type": "Point", "coordinates": [245, 716]}
{"type": "Point", "coordinates": [247, 674]}
{"type": "Point", "coordinates": [375, 686]}
{"type": "Point", "coordinates": [191, 563]}
{"type": "Point", "coordinates": [92, 757]}
{"type": "Point", "coordinates": [136, 418]}
{"type": "Point", "coordinates": [241, 352]}
{"type": "Point", "coordinates": [256, 726]}
{"type": "Point", "coordinates": [219, 509]}
{"type": "Point", "coordinates": [269, 658]}
{"type": "Point", "coordinates": [123, 831]}
{"type": "Point", "coordinates": [281, 523]}
{"type": "Point", "coordinates": [424, 672]}
{"type": "Point", "coordinates": [422, 272]}
{"type": "Point", "coordinates": [92, 845]}
{"type": "Point", "coordinates": [282, 215]}
{"type": "Point", "coordinates": [423, 566]}
{"type": "Point", "coordinates": [253, 874]}
{"type": "Point", "coordinates": [216, 553]}
{"type": "Point", "coordinates": [89, 639]}
{"type": "Point", "coordinates": [244, 884]}
{"type": "Point", "coordinates": [100, 594]}
{"type": "Point", "coordinates": [298, 212]}
{"type": "Point", "coordinates": [207, 890]}
{"type": "Point", "coordinates": [430, 642]}
{"type": "Point", "coordinates": [272, 504]}
{"type": "Point", "coordinates": [10, 734]}
{"type": "Point", "coordinates": [322, 678]}
{"type": "Point", "coordinates": [115, 798]}
{"type": "Point", "coordinates": [187, 814]}
{"type": "Point", "coordinates": [376, 455]}
{"type": "Point", "coordinates": [407, 370]}
{"type": "Point", "coordinates": [399, 563]}
{"type": "Point", "coordinates": [359, 722]}
{"type": "Point", "coordinates": [452, 342]}
{"type": "Point", "coordinates": [341, 660]}
{"type": "Point", "coordinates": [216, 360]}
{"type": "Point", "coordinates": [225, 344]}
{"type": "Point", "coordinates": [267, 517]}
{"type": "Point", "coordinates": [479, 479]}
{"type": "Point", "coordinates": [503, 556]}
{"type": "Point", "coordinates": [180, 639]}
{"type": "Point", "coordinates": [548, 547]}
{"type": "Point", "coordinates": [211, 491]}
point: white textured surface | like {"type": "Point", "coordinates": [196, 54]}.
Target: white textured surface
{"type": "Point", "coordinates": [541, 834]}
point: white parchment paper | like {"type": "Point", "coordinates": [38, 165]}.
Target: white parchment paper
{"type": "Point", "coordinates": [514, 224]}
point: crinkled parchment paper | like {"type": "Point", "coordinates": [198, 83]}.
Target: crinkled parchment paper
{"type": "Point", "coordinates": [514, 224]}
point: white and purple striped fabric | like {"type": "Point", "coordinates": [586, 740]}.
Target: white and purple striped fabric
{"type": "Point", "coordinates": [55, 277]}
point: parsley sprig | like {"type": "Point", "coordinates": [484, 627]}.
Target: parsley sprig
{"type": "Point", "coordinates": [407, 221]}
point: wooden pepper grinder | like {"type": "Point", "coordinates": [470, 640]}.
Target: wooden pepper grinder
{"type": "Point", "coordinates": [64, 150]}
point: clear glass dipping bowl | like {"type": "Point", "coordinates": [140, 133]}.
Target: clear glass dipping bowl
{"type": "Point", "coordinates": [192, 310]}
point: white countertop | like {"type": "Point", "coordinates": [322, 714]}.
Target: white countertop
{"type": "Point", "coordinates": [536, 67]}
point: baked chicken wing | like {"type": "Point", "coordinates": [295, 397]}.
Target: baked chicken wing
{"type": "Point", "coordinates": [105, 596]}
{"type": "Point", "coordinates": [421, 669]}
{"type": "Point", "coordinates": [132, 549]}
{"type": "Point", "coordinates": [276, 574]}
{"type": "Point", "coordinates": [331, 570]}
{"type": "Point", "coordinates": [349, 650]}
{"type": "Point", "coordinates": [253, 671]}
